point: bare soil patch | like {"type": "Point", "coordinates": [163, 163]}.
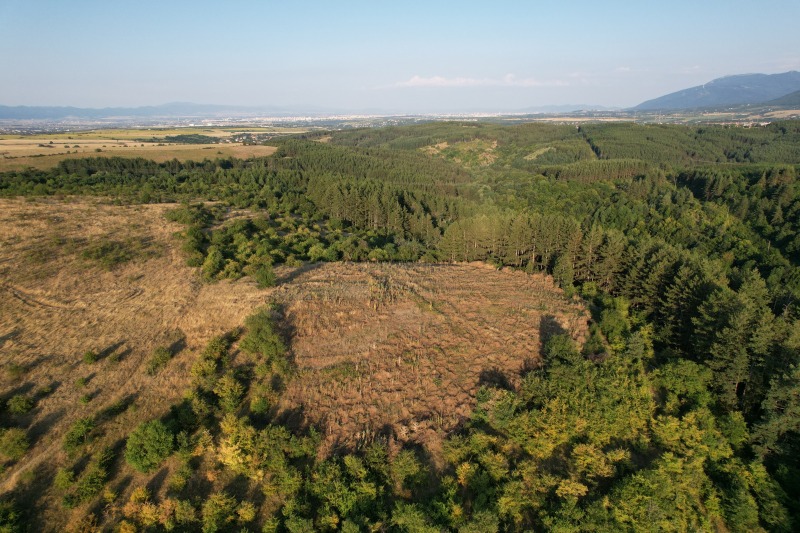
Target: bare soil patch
{"type": "Point", "coordinates": [401, 350]}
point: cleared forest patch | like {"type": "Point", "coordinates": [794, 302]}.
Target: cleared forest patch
{"type": "Point", "coordinates": [401, 350]}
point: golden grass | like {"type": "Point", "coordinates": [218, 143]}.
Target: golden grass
{"type": "Point", "coordinates": [538, 153]}
{"type": "Point", "coordinates": [18, 154]}
{"type": "Point", "coordinates": [54, 306]}
{"type": "Point", "coordinates": [129, 134]}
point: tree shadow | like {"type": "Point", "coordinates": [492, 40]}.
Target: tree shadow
{"type": "Point", "coordinates": [116, 408]}
{"type": "Point", "coordinates": [297, 272]}
{"type": "Point", "coordinates": [45, 425]}
{"type": "Point", "coordinates": [294, 419]}
{"type": "Point", "coordinates": [32, 496]}
{"type": "Point", "coordinates": [494, 377]}
{"type": "Point", "coordinates": [106, 352]}
{"type": "Point", "coordinates": [21, 389]}
{"type": "Point", "coordinates": [157, 481]}
{"type": "Point", "coordinates": [177, 346]}
{"type": "Point", "coordinates": [11, 335]}
{"type": "Point", "coordinates": [47, 390]}
{"type": "Point", "coordinates": [88, 378]}
{"type": "Point", "coordinates": [548, 327]}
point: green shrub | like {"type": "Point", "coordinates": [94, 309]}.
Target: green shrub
{"type": "Point", "coordinates": [13, 443]}
{"type": "Point", "coordinates": [78, 434]}
{"type": "Point", "coordinates": [20, 404]}
{"type": "Point", "coordinates": [92, 481]}
{"type": "Point", "coordinates": [263, 339]}
{"type": "Point", "coordinates": [9, 516]}
{"type": "Point", "coordinates": [89, 357]}
{"type": "Point", "coordinates": [158, 360]}
{"type": "Point", "coordinates": [149, 445]}
{"type": "Point", "coordinates": [190, 214]}
{"type": "Point", "coordinates": [16, 371]}
{"type": "Point", "coordinates": [264, 276]}
{"type": "Point", "coordinates": [64, 479]}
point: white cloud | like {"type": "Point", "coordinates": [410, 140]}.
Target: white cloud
{"type": "Point", "coordinates": [509, 80]}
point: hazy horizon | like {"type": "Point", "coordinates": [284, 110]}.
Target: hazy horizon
{"type": "Point", "coordinates": [411, 57]}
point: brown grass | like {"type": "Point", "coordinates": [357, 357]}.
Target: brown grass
{"type": "Point", "coordinates": [21, 153]}
{"type": "Point", "coordinates": [54, 306]}
{"type": "Point", "coordinates": [401, 350]}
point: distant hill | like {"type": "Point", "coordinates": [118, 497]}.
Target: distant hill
{"type": "Point", "coordinates": [728, 91]}
{"type": "Point", "coordinates": [790, 100]}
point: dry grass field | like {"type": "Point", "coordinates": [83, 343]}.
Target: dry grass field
{"type": "Point", "coordinates": [55, 305]}
{"type": "Point", "coordinates": [397, 351]}
{"type": "Point", "coordinates": [38, 152]}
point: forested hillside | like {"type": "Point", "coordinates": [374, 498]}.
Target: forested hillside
{"type": "Point", "coordinates": [678, 413]}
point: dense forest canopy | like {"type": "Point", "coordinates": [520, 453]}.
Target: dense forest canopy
{"type": "Point", "coordinates": [681, 411]}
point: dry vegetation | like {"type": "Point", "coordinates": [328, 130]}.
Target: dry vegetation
{"type": "Point", "coordinates": [380, 349]}
{"type": "Point", "coordinates": [475, 153]}
{"type": "Point", "coordinates": [38, 152]}
{"type": "Point", "coordinates": [402, 349]}
{"type": "Point", "coordinates": [55, 305]}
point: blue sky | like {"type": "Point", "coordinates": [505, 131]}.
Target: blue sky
{"type": "Point", "coordinates": [401, 56]}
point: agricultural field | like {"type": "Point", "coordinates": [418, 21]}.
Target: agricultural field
{"type": "Point", "coordinates": [44, 151]}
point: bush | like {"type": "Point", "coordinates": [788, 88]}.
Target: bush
{"type": "Point", "coordinates": [90, 357]}
{"type": "Point", "coordinates": [9, 516]}
{"type": "Point", "coordinates": [16, 371]}
{"type": "Point", "coordinates": [158, 360]}
{"type": "Point", "coordinates": [13, 443]}
{"type": "Point", "coordinates": [92, 481]}
{"type": "Point", "coordinates": [78, 434]}
{"type": "Point", "coordinates": [262, 337]}
{"type": "Point", "coordinates": [190, 214]}
{"type": "Point", "coordinates": [149, 445]}
{"type": "Point", "coordinates": [108, 254]}
{"type": "Point", "coordinates": [20, 404]}
{"type": "Point", "coordinates": [264, 276]}
{"type": "Point", "coordinates": [64, 479]}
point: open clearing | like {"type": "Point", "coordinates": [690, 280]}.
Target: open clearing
{"type": "Point", "coordinates": [391, 350]}
{"type": "Point", "coordinates": [38, 152]}
{"type": "Point", "coordinates": [400, 350]}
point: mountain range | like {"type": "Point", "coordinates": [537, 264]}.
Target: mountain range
{"type": "Point", "coordinates": [742, 89]}
{"type": "Point", "coordinates": [779, 90]}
